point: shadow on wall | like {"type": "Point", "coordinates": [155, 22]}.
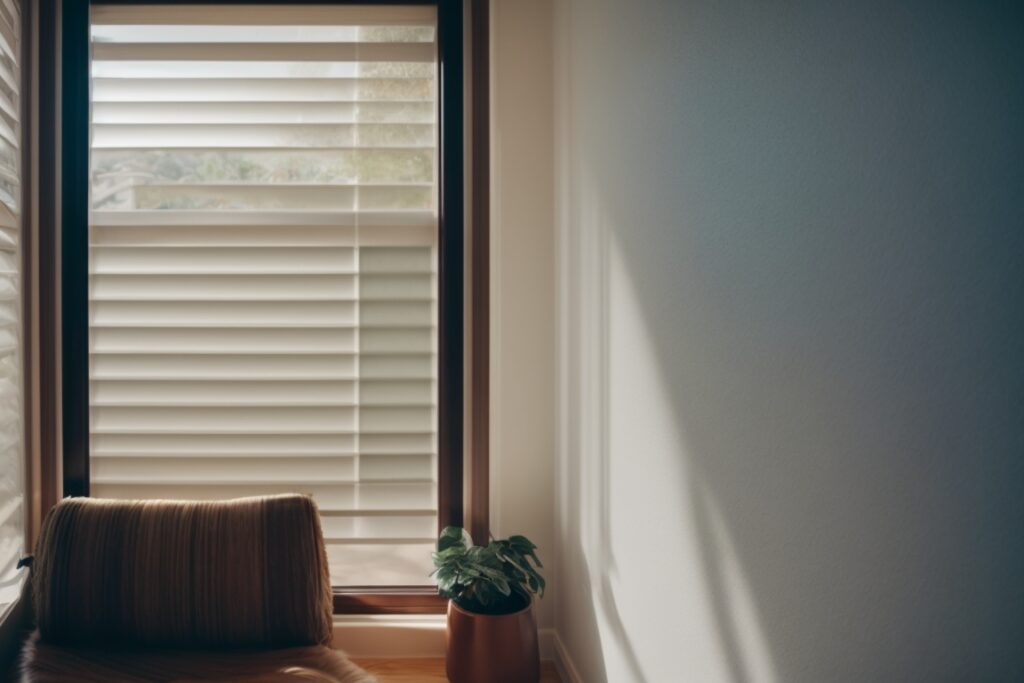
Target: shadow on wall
{"type": "Point", "coordinates": [652, 537]}
{"type": "Point", "coordinates": [797, 397]}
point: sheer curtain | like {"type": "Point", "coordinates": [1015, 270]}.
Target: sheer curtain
{"type": "Point", "coordinates": [12, 472]}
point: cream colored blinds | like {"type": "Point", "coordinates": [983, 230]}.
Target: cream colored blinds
{"type": "Point", "coordinates": [12, 472]}
{"type": "Point", "coordinates": [262, 266]}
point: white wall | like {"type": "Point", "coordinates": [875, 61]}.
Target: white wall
{"type": "Point", "coordinates": [522, 276]}
{"type": "Point", "coordinates": [791, 373]}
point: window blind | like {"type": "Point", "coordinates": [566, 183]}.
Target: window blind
{"type": "Point", "coordinates": [12, 473]}
{"type": "Point", "coordinates": [263, 238]}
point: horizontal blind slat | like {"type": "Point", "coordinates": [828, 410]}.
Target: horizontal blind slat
{"type": "Point", "coordinates": [185, 218]}
{"type": "Point", "coordinates": [284, 52]}
{"type": "Point", "coordinates": [263, 112]}
{"type": "Point", "coordinates": [266, 15]}
{"type": "Point", "coordinates": [259, 136]}
{"type": "Point", "coordinates": [282, 288]}
{"type": "Point", "coordinates": [293, 90]}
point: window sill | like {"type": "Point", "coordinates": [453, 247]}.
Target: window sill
{"type": "Point", "coordinates": [390, 635]}
{"type": "Point", "coordinates": [388, 600]}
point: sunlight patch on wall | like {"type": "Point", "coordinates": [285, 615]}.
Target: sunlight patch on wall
{"type": "Point", "coordinates": [664, 572]}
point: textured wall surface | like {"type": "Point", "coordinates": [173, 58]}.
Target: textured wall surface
{"type": "Point", "coordinates": [791, 304]}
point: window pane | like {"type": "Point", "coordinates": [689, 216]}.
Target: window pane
{"type": "Point", "coordinates": [263, 278]}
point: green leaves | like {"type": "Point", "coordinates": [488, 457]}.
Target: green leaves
{"type": "Point", "coordinates": [496, 578]}
{"type": "Point", "coordinates": [452, 537]}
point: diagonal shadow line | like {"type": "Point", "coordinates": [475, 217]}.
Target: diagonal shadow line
{"type": "Point", "coordinates": [716, 588]}
{"type": "Point", "coordinates": [606, 594]}
{"type": "Point", "coordinates": [606, 598]}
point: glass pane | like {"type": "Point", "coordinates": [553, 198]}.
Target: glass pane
{"type": "Point", "coordinates": [263, 280]}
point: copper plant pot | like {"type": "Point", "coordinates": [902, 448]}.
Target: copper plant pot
{"type": "Point", "coordinates": [486, 648]}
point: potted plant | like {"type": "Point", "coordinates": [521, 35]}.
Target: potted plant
{"type": "Point", "coordinates": [492, 633]}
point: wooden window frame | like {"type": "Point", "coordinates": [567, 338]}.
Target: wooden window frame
{"type": "Point", "coordinates": [44, 161]}
{"type": "Point", "coordinates": [453, 506]}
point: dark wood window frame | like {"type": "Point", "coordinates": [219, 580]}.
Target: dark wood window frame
{"type": "Point", "coordinates": [453, 507]}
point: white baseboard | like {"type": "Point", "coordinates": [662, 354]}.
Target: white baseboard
{"type": "Point", "coordinates": [546, 641]}
{"type": "Point", "coordinates": [563, 662]}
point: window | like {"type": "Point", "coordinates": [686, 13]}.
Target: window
{"type": "Point", "coordinates": [273, 268]}
{"type": "Point", "coordinates": [12, 473]}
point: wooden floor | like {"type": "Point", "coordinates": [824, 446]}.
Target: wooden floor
{"type": "Point", "coordinates": [427, 670]}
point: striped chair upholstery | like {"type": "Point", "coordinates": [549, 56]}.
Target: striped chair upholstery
{"type": "Point", "coordinates": [183, 590]}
